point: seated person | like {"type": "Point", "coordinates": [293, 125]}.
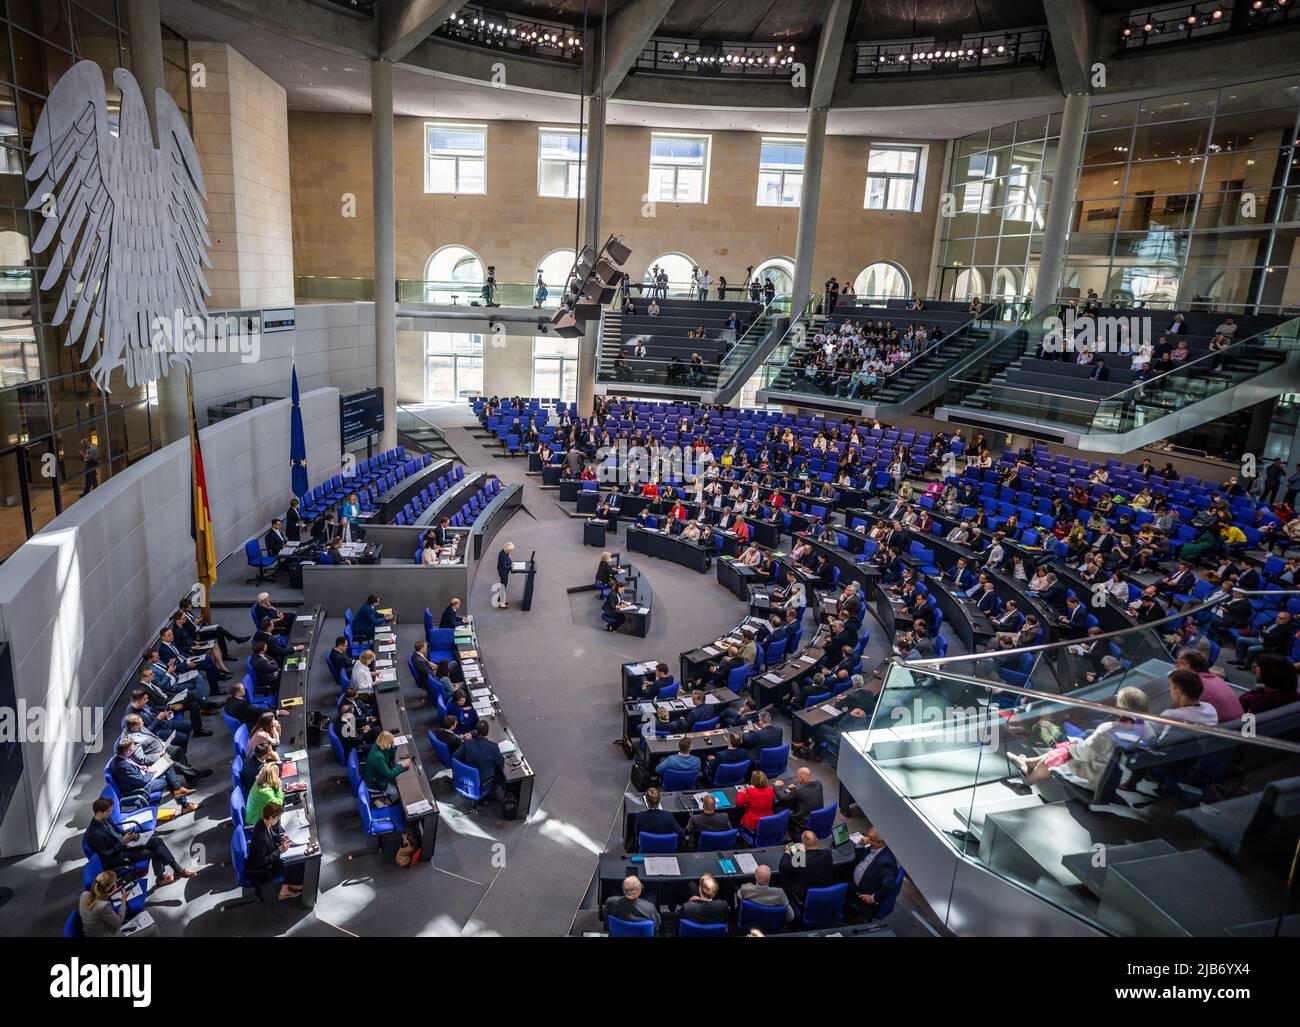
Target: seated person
{"type": "Point", "coordinates": [680, 760]}
{"type": "Point", "coordinates": [1087, 757]}
{"type": "Point", "coordinates": [1275, 678]}
{"type": "Point", "coordinates": [704, 907]}
{"type": "Point", "coordinates": [451, 616]}
{"type": "Point", "coordinates": [630, 906]}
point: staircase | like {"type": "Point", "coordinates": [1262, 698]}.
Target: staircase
{"type": "Point", "coordinates": [419, 435]}
{"type": "Point", "coordinates": [1022, 393]}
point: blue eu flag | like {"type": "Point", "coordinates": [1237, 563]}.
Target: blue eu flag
{"type": "Point", "coordinates": [297, 444]}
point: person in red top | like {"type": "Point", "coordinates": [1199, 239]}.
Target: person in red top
{"type": "Point", "coordinates": [650, 489]}
{"type": "Point", "coordinates": [679, 511]}
{"type": "Point", "coordinates": [776, 499]}
{"type": "Point", "coordinates": [757, 800]}
{"type": "Point", "coordinates": [741, 529]}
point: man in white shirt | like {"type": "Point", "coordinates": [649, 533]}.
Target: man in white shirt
{"type": "Point", "coordinates": [1185, 688]}
{"type": "Point", "coordinates": [704, 282]}
{"type": "Point", "coordinates": [1228, 329]}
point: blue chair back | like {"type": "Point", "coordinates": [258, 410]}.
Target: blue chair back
{"type": "Point", "coordinates": [825, 906]}
{"type": "Point", "coordinates": [649, 842]}
{"type": "Point", "coordinates": [756, 916]}
{"type": "Point", "coordinates": [241, 739]}
{"type": "Point", "coordinates": [678, 780]}
{"type": "Point", "coordinates": [772, 761]}
{"type": "Point", "coordinates": [729, 774]}
{"type": "Point", "coordinates": [691, 929]}
{"type": "Point", "coordinates": [630, 928]}
{"type": "Point", "coordinates": [716, 841]}
{"type": "Point", "coordinates": [465, 780]}
{"type": "Point", "coordinates": [771, 829]}
{"type": "Point", "coordinates": [441, 750]}
{"type": "Point", "coordinates": [887, 907]}
{"type": "Point", "coordinates": [336, 744]}
{"type": "Point", "coordinates": [820, 821]}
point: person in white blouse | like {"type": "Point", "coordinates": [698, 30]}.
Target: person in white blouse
{"type": "Point", "coordinates": [361, 674]}
{"type": "Point", "coordinates": [1088, 757]}
{"type": "Point", "coordinates": [1116, 586]}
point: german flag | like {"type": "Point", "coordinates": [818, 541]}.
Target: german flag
{"type": "Point", "coordinates": [205, 556]}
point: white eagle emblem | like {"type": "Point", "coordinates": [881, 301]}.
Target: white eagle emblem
{"type": "Point", "coordinates": [127, 221]}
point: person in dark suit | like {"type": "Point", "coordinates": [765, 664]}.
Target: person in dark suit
{"type": "Point", "coordinates": [505, 562]}
{"type": "Point", "coordinates": [169, 649]}
{"type": "Point", "coordinates": [446, 734]}
{"type": "Point", "coordinates": [733, 753]}
{"type": "Point", "coordinates": [110, 843]}
{"type": "Point", "coordinates": [704, 907]}
{"type": "Point", "coordinates": [873, 878]}
{"type": "Point", "coordinates": [815, 870]}
{"type": "Point", "coordinates": [339, 659]}
{"type": "Point", "coordinates": [238, 706]}
{"type": "Point", "coordinates": [484, 755]}
{"type": "Point", "coordinates": [1074, 622]}
{"type": "Point", "coordinates": [763, 736]}
{"type": "Point", "coordinates": [263, 863]}
{"type": "Point", "coordinates": [611, 607]}
{"type": "Point", "coordinates": [1100, 372]}
{"type": "Point", "coordinates": [283, 619]}
{"type": "Point", "coordinates": [266, 671]}
{"type": "Point", "coordinates": [262, 754]}
{"type": "Point", "coordinates": [802, 797]}
{"type": "Point", "coordinates": [324, 528]}
{"type": "Point", "coordinates": [276, 648]}
{"type": "Point", "coordinates": [653, 819]}
{"type": "Point", "coordinates": [451, 617]}
{"type": "Point", "coordinates": [134, 783]}
{"type": "Point", "coordinates": [630, 906]}
{"type": "Point", "coordinates": [701, 710]}
{"type": "Point", "coordinates": [651, 686]}
{"type": "Point", "coordinates": [710, 818]}
{"type": "Point", "coordinates": [1236, 613]}
{"type": "Point", "coordinates": [274, 540]}
{"type": "Point", "coordinates": [293, 521]}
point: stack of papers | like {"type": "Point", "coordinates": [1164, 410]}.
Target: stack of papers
{"type": "Point", "coordinates": [746, 863]}
{"type": "Point", "coordinates": [662, 866]}
{"type": "Point", "coordinates": [418, 807]}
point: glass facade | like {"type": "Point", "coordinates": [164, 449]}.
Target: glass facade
{"type": "Point", "coordinates": [1190, 200]}
{"type": "Point", "coordinates": [993, 214]}
{"type": "Point", "coordinates": [59, 434]}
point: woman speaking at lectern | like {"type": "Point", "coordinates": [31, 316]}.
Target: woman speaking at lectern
{"type": "Point", "coordinates": [504, 564]}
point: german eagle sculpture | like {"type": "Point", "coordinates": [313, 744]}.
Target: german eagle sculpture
{"type": "Point", "coordinates": [126, 221]}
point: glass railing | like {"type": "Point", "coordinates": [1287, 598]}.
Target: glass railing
{"type": "Point", "coordinates": [324, 289]}
{"type": "Point", "coordinates": [1103, 802]}
{"type": "Point", "coordinates": [1141, 403]}
{"type": "Point", "coordinates": [666, 373]}
{"type": "Point", "coordinates": [411, 423]}
{"type": "Point", "coordinates": [757, 334]}
{"type": "Point", "coordinates": [1195, 304]}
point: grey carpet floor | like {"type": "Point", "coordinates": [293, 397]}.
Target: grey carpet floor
{"type": "Point", "coordinates": [557, 678]}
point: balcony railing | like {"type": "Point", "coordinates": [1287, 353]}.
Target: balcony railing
{"type": "Point", "coordinates": [933, 55]}
{"type": "Point", "coordinates": [738, 61]}
{"type": "Point", "coordinates": [1170, 24]}
{"type": "Point", "coordinates": [547, 40]}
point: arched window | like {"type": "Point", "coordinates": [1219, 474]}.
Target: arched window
{"type": "Point", "coordinates": [453, 274]}
{"type": "Point", "coordinates": [780, 270]}
{"type": "Point", "coordinates": [1005, 286]}
{"type": "Point", "coordinates": [554, 269]}
{"type": "Point", "coordinates": [678, 266]}
{"type": "Point", "coordinates": [882, 280]}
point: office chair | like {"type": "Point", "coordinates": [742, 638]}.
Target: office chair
{"type": "Point", "coordinates": [440, 750]}
{"type": "Point", "coordinates": [756, 916]}
{"type": "Point", "coordinates": [649, 843]}
{"type": "Point", "coordinates": [678, 780]}
{"type": "Point", "coordinates": [238, 857]}
{"type": "Point", "coordinates": [465, 780]}
{"type": "Point", "coordinates": [630, 928]}
{"type": "Point", "coordinates": [771, 831]}
{"type": "Point", "coordinates": [717, 841]}
{"type": "Point", "coordinates": [885, 908]}
{"type": "Point", "coordinates": [772, 761]}
{"type": "Point", "coordinates": [691, 929]}
{"type": "Point", "coordinates": [820, 821]}
{"type": "Point", "coordinates": [259, 559]}
{"type": "Point", "coordinates": [823, 907]}
{"type": "Point", "coordinates": [730, 774]}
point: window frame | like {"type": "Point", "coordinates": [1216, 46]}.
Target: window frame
{"type": "Point", "coordinates": [705, 167]}
{"type": "Point", "coordinates": [915, 177]}
{"type": "Point", "coordinates": [580, 163]}
{"type": "Point", "coordinates": [781, 170]}
{"type": "Point", "coordinates": [430, 155]}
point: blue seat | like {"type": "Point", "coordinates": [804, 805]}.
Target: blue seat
{"type": "Point", "coordinates": [771, 831]}
{"type": "Point", "coordinates": [772, 760]}
{"type": "Point", "coordinates": [691, 929]}
{"type": "Point", "coordinates": [465, 780]}
{"type": "Point", "coordinates": [737, 678]}
{"type": "Point", "coordinates": [729, 774]}
{"type": "Point", "coordinates": [630, 928]}
{"type": "Point", "coordinates": [887, 907]}
{"type": "Point", "coordinates": [823, 907]}
{"type": "Point", "coordinates": [820, 821]}
{"type": "Point", "coordinates": [336, 744]}
{"type": "Point", "coordinates": [756, 916]}
{"type": "Point", "coordinates": [259, 559]}
{"type": "Point", "coordinates": [241, 739]}
{"type": "Point", "coordinates": [381, 820]}
{"type": "Point", "coordinates": [678, 780]}
{"type": "Point", "coordinates": [649, 842]}
{"type": "Point", "coordinates": [717, 841]}
{"type": "Point", "coordinates": [72, 927]}
{"type": "Point", "coordinates": [238, 857]}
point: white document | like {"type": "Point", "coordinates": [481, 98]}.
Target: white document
{"type": "Point", "coordinates": [297, 754]}
{"type": "Point", "coordinates": [400, 739]}
{"type": "Point", "coordinates": [773, 678]}
{"type": "Point", "coordinates": [139, 922]}
{"type": "Point", "coordinates": [711, 651]}
{"type": "Point", "coordinates": [421, 806]}
{"type": "Point", "coordinates": [662, 866]}
{"type": "Point", "coordinates": [519, 565]}
{"type": "Point", "coordinates": [144, 837]}
{"type": "Point", "coordinates": [746, 863]}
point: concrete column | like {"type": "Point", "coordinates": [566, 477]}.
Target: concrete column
{"type": "Point", "coordinates": [144, 24]}
{"type": "Point", "coordinates": [593, 236]}
{"type": "Point", "coordinates": [381, 162]}
{"type": "Point", "coordinates": [814, 148]}
{"type": "Point", "coordinates": [1060, 209]}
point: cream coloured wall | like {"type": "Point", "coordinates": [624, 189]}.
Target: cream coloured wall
{"type": "Point", "coordinates": [512, 227]}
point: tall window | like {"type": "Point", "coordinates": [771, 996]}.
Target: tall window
{"type": "Point", "coordinates": [978, 195]}
{"type": "Point", "coordinates": [554, 270]}
{"type": "Point", "coordinates": [452, 274]}
{"type": "Point", "coordinates": [455, 159]}
{"type": "Point", "coordinates": [780, 172]}
{"type": "Point", "coordinates": [453, 366]}
{"type": "Point", "coordinates": [561, 162]}
{"type": "Point", "coordinates": [555, 367]}
{"type": "Point", "coordinates": [677, 266]}
{"type": "Point", "coordinates": [892, 176]}
{"type": "Point", "coordinates": [679, 168]}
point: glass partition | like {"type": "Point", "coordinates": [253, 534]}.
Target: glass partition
{"type": "Point", "coordinates": [1112, 809]}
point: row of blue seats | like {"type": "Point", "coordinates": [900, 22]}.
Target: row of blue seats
{"type": "Point", "coordinates": [426, 496]}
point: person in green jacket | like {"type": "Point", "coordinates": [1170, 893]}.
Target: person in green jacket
{"type": "Point", "coordinates": [383, 766]}
{"type": "Point", "coordinates": [266, 788]}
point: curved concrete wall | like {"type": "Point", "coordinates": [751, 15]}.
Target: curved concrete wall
{"type": "Point", "coordinates": [81, 599]}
